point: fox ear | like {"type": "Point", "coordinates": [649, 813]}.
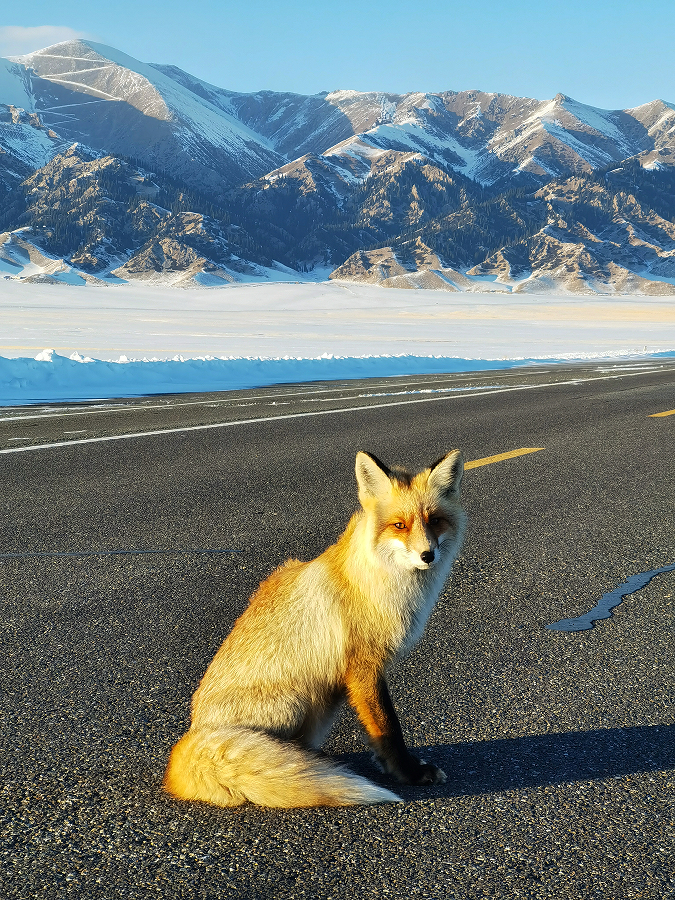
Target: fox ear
{"type": "Point", "coordinates": [445, 475]}
{"type": "Point", "coordinates": [372, 476]}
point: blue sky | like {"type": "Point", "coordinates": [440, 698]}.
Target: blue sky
{"type": "Point", "coordinates": [614, 54]}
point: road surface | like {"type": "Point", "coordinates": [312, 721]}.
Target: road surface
{"type": "Point", "coordinates": [559, 747]}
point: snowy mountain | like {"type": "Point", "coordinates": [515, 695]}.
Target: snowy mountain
{"type": "Point", "coordinates": [93, 94]}
{"type": "Point", "coordinates": [168, 119]}
{"type": "Point", "coordinates": [114, 168]}
{"type": "Point", "coordinates": [487, 137]}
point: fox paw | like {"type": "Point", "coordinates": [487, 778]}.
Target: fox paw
{"type": "Point", "coordinates": [430, 774]}
{"type": "Point", "coordinates": [420, 772]}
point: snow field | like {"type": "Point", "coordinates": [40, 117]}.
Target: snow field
{"type": "Point", "coordinates": [129, 340]}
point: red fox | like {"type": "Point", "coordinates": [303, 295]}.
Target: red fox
{"type": "Point", "coordinates": [316, 633]}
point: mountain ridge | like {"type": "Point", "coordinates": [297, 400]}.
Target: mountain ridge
{"type": "Point", "coordinates": [267, 183]}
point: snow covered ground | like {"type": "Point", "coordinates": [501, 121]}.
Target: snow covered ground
{"type": "Point", "coordinates": [126, 340]}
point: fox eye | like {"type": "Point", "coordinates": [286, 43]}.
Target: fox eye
{"type": "Point", "coordinates": [400, 526]}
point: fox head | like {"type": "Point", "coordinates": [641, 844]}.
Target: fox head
{"type": "Point", "coordinates": [415, 518]}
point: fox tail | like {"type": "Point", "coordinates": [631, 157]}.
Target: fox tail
{"type": "Point", "coordinates": [230, 765]}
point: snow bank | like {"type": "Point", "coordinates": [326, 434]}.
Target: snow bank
{"type": "Point", "coordinates": [50, 377]}
{"type": "Point", "coordinates": [53, 377]}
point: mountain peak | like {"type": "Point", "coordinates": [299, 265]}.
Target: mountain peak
{"type": "Point", "coordinates": [76, 48]}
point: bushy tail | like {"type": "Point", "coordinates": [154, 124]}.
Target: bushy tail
{"type": "Point", "coordinates": [231, 765]}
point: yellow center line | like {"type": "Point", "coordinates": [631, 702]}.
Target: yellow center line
{"type": "Point", "coordinates": [474, 463]}
{"type": "Point", "coordinates": [670, 412]}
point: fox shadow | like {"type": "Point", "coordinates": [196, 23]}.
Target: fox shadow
{"type": "Point", "coordinates": [479, 767]}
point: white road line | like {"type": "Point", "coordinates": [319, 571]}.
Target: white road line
{"type": "Point", "coordinates": [304, 415]}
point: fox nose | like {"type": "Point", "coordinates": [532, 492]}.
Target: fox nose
{"type": "Point", "coordinates": [427, 557]}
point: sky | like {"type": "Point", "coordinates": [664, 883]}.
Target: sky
{"type": "Point", "coordinates": [614, 54]}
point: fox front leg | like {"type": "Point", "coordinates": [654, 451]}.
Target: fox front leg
{"type": "Point", "coordinates": [370, 698]}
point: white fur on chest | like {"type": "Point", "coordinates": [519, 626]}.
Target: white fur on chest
{"type": "Point", "coordinates": [419, 610]}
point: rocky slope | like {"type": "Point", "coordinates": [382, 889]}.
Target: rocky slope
{"type": "Point", "coordinates": [595, 239]}
{"type": "Point", "coordinates": [610, 233]}
{"type": "Point", "coordinates": [106, 219]}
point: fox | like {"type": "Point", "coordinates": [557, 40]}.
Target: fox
{"type": "Point", "coordinates": [316, 634]}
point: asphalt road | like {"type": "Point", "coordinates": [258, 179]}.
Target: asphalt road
{"type": "Point", "coordinates": [559, 747]}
